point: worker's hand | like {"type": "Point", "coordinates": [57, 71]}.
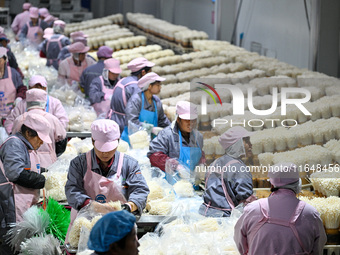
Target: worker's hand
{"type": "Point", "coordinates": [156, 130]}
{"type": "Point", "coordinates": [183, 172]}
{"type": "Point", "coordinates": [147, 127]}
{"type": "Point", "coordinates": [171, 164]}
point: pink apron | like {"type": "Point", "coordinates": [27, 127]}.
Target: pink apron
{"type": "Point", "coordinates": [120, 85]}
{"type": "Point", "coordinates": [225, 191]}
{"type": "Point", "coordinates": [32, 33]}
{"type": "Point", "coordinates": [24, 197]}
{"type": "Point", "coordinates": [271, 220]}
{"type": "Point", "coordinates": [8, 94]}
{"type": "Point", "coordinates": [75, 71]}
{"type": "Point", "coordinates": [103, 106]}
{"type": "Point", "coordinates": [58, 40]}
{"type": "Point", "coordinates": [100, 188]}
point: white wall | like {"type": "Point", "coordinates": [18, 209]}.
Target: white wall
{"type": "Point", "coordinates": [280, 26]}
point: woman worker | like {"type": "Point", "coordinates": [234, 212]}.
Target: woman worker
{"type": "Point", "coordinates": [12, 89]}
{"type": "Point", "coordinates": [53, 105]}
{"type": "Point", "coordinates": [20, 179]}
{"type": "Point", "coordinates": [47, 153]}
{"type": "Point", "coordinates": [288, 225]}
{"type": "Point", "coordinates": [101, 88]}
{"type": "Point", "coordinates": [144, 106]}
{"type": "Point", "coordinates": [180, 142]}
{"type": "Point", "coordinates": [114, 233]}
{"type": "Point", "coordinates": [103, 174]}
{"type": "Point", "coordinates": [227, 185]}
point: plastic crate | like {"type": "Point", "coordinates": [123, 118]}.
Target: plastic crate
{"type": "Point", "coordinates": [331, 250]}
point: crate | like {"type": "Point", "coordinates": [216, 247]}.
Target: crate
{"type": "Point", "coordinates": [331, 250]}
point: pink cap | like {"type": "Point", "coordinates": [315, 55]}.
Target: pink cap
{"type": "Point", "coordinates": [48, 32]}
{"type": "Point", "coordinates": [138, 64]}
{"type": "Point", "coordinates": [26, 6]}
{"type": "Point", "coordinates": [78, 47]}
{"type": "Point", "coordinates": [3, 52]}
{"type": "Point", "coordinates": [186, 110]}
{"type": "Point", "coordinates": [35, 79]}
{"type": "Point", "coordinates": [39, 124]}
{"type": "Point", "coordinates": [113, 65]}
{"type": "Point", "coordinates": [77, 34]}
{"type": "Point", "coordinates": [106, 134]}
{"type": "Point", "coordinates": [232, 135]}
{"type": "Point", "coordinates": [4, 37]}
{"type": "Point", "coordinates": [34, 12]}
{"type": "Point", "coordinates": [43, 12]}
{"type": "Point", "coordinates": [147, 79]}
{"type": "Point", "coordinates": [59, 23]}
{"type": "Point", "coordinates": [104, 52]}
{"type": "Point", "coordinates": [282, 174]}
{"type": "Point", "coordinates": [33, 95]}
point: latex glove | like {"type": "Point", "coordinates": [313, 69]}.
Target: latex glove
{"type": "Point", "coordinates": [107, 97]}
{"type": "Point", "coordinates": [17, 100]}
{"type": "Point", "coordinates": [148, 127]}
{"type": "Point", "coordinates": [156, 130]}
{"type": "Point", "coordinates": [171, 164]}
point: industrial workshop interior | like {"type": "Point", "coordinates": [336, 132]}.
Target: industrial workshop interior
{"type": "Point", "coordinates": [176, 127]}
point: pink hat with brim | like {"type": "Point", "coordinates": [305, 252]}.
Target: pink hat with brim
{"type": "Point", "coordinates": [78, 34]}
{"type": "Point", "coordinates": [34, 12]}
{"type": "Point", "coordinates": [113, 65]}
{"type": "Point", "coordinates": [37, 79]}
{"type": "Point", "coordinates": [26, 6]}
{"type": "Point", "coordinates": [232, 135]}
{"type": "Point", "coordinates": [36, 95]}
{"type": "Point", "coordinates": [3, 52]}
{"type": "Point", "coordinates": [104, 52]}
{"type": "Point", "coordinates": [39, 124]}
{"type": "Point", "coordinates": [78, 47]}
{"type": "Point", "coordinates": [186, 110]}
{"type": "Point", "coordinates": [59, 23]}
{"type": "Point", "coordinates": [105, 134]}
{"type": "Point", "coordinates": [283, 174]}
{"type": "Point", "coordinates": [48, 32]}
{"type": "Point", "coordinates": [138, 64]}
{"type": "Point", "coordinates": [43, 12]}
{"type": "Point", "coordinates": [146, 80]}
{"type": "Point", "coordinates": [50, 18]}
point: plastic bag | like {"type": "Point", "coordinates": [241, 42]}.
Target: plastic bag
{"type": "Point", "coordinates": [139, 136]}
{"type": "Point", "coordinates": [84, 237]}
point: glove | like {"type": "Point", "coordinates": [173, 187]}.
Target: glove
{"type": "Point", "coordinates": [17, 100]}
{"type": "Point", "coordinates": [126, 207]}
{"type": "Point", "coordinates": [148, 127]}
{"type": "Point", "coordinates": [156, 130]}
{"type": "Point", "coordinates": [30, 179]}
{"type": "Point", "coordinates": [43, 170]}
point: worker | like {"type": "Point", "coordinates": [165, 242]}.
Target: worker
{"type": "Point", "coordinates": [20, 179]}
{"type": "Point", "coordinates": [52, 46]}
{"type": "Point", "coordinates": [91, 72]}
{"type": "Point", "coordinates": [144, 107]}
{"type": "Point", "coordinates": [33, 30]}
{"type": "Point", "coordinates": [125, 88]}
{"type": "Point", "coordinates": [101, 88]}
{"type": "Point", "coordinates": [12, 61]}
{"type": "Point", "coordinates": [180, 142]}
{"type": "Point", "coordinates": [72, 67]}
{"type": "Point", "coordinates": [103, 174]}
{"type": "Point", "coordinates": [280, 224]}
{"type": "Point", "coordinates": [21, 19]}
{"type": "Point", "coordinates": [226, 189]}
{"type": "Point", "coordinates": [77, 36]}
{"type": "Point", "coordinates": [36, 103]}
{"type": "Point", "coordinates": [43, 14]}
{"type": "Point", "coordinates": [12, 89]}
{"type": "Point", "coordinates": [53, 105]}
{"type": "Point", "coordinates": [114, 233]}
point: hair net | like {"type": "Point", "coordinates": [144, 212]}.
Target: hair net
{"type": "Point", "coordinates": [295, 186]}
{"type": "Point", "coordinates": [236, 150]}
{"type": "Point", "coordinates": [111, 228]}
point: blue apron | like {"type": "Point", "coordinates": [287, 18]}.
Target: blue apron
{"type": "Point", "coordinates": [144, 116]}
{"type": "Point", "coordinates": [188, 156]}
